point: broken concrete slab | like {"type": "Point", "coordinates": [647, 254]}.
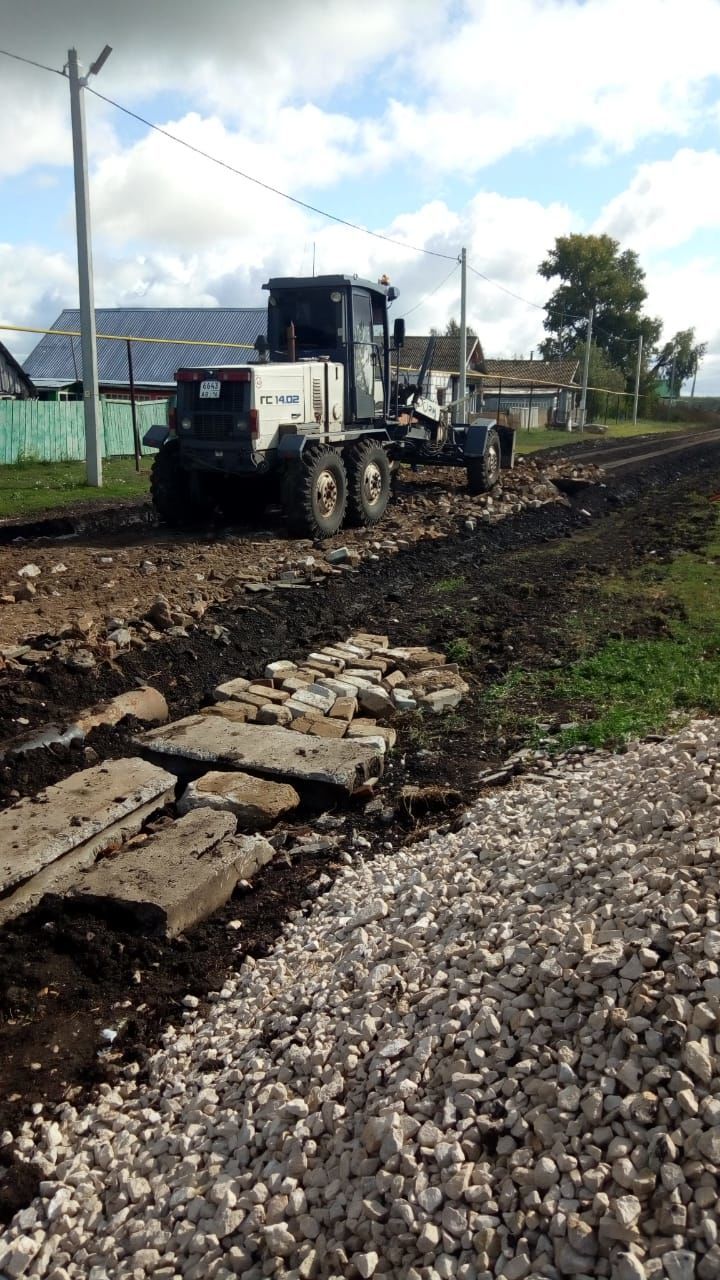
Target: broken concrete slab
{"type": "Point", "coordinates": [433, 679]}
{"type": "Point", "coordinates": [238, 712]}
{"type": "Point", "coordinates": [416, 658]}
{"type": "Point", "coordinates": [278, 670]}
{"type": "Point", "coordinates": [302, 710]}
{"type": "Point", "coordinates": [266, 750]}
{"type": "Point", "coordinates": [145, 703]}
{"type": "Point", "coordinates": [404, 700]}
{"type": "Point", "coordinates": [297, 681]}
{"type": "Point", "coordinates": [441, 699]}
{"type": "Point", "coordinates": [377, 701]}
{"type": "Point", "coordinates": [272, 714]}
{"type": "Point", "coordinates": [66, 826]}
{"type": "Point", "coordinates": [230, 688]}
{"type": "Point", "coordinates": [328, 728]}
{"type": "Point", "coordinates": [316, 697]}
{"type": "Point", "coordinates": [372, 731]}
{"type": "Point", "coordinates": [343, 709]}
{"type": "Point", "coordinates": [303, 724]}
{"type": "Point", "coordinates": [256, 802]}
{"type": "Point", "coordinates": [268, 693]}
{"type": "Point", "coordinates": [178, 877]}
{"type": "Point", "coordinates": [366, 639]}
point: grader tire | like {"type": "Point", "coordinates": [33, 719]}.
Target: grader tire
{"type": "Point", "coordinates": [369, 483]}
{"type": "Point", "coordinates": [315, 493]}
{"type": "Point", "coordinates": [484, 472]}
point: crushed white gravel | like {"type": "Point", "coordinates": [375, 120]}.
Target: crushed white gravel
{"type": "Point", "coordinates": [492, 1054]}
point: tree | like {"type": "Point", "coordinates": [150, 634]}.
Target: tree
{"type": "Point", "coordinates": [452, 330]}
{"type": "Point", "coordinates": [678, 359]}
{"type": "Point", "coordinates": [593, 272]}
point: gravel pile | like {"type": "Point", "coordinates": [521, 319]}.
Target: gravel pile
{"type": "Point", "coordinates": [493, 1054]}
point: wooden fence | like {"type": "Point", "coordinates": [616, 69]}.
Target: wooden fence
{"type": "Point", "coordinates": [54, 430]}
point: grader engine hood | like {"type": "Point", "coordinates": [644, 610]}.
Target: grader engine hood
{"type": "Point", "coordinates": [290, 398]}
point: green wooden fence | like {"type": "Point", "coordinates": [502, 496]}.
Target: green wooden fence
{"type": "Point", "coordinates": [54, 431]}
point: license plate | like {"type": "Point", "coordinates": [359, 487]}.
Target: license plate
{"type": "Point", "coordinates": [210, 389]}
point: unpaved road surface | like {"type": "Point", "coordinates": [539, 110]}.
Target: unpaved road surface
{"type": "Point", "coordinates": [90, 586]}
{"type": "Point", "coordinates": [65, 976]}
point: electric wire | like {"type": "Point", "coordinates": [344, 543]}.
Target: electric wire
{"type": "Point", "coordinates": [432, 292]}
{"type": "Point", "coordinates": [303, 204]}
{"type": "Point", "coordinates": [266, 186]}
{"type": "Point", "coordinates": [17, 57]}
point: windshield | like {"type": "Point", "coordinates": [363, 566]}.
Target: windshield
{"type": "Point", "coordinates": [317, 315]}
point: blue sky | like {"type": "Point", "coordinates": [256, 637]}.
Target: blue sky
{"type": "Point", "coordinates": [498, 124]}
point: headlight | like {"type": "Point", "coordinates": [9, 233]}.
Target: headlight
{"type": "Point", "coordinates": [186, 423]}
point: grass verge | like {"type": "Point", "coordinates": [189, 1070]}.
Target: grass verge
{"type": "Point", "coordinates": [532, 441]}
{"type": "Point", "coordinates": [29, 486]}
{"type": "Point", "coordinates": [628, 687]}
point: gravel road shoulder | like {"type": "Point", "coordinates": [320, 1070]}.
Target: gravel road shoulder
{"type": "Point", "coordinates": [492, 1054]}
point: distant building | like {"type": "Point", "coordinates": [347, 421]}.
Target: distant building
{"type": "Point", "coordinates": [55, 364]}
{"type": "Point", "coordinates": [14, 382]}
{"type": "Point", "coordinates": [533, 393]}
{"type": "Point", "coordinates": [442, 380]}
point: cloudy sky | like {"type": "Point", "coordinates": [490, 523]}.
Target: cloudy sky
{"type": "Point", "coordinates": [495, 124]}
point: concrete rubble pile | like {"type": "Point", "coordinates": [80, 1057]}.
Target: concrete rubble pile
{"type": "Point", "coordinates": [343, 690]}
{"type": "Point", "coordinates": [493, 1054]}
{"type": "Point", "coordinates": [304, 725]}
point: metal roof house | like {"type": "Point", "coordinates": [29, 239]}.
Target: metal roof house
{"type": "Point", "coordinates": [534, 393]}
{"type": "Point", "coordinates": [14, 382]}
{"type": "Point", "coordinates": [55, 364]}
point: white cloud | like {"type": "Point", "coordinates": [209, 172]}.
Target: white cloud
{"type": "Point", "coordinates": [532, 70]}
{"type": "Point", "coordinates": [686, 297]}
{"type": "Point", "coordinates": [667, 202]}
{"type": "Point", "coordinates": [456, 87]}
{"type": "Point", "coordinates": [230, 269]}
{"type": "Point", "coordinates": [228, 56]}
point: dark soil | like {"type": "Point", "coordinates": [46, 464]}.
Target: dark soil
{"type": "Point", "coordinates": [497, 599]}
{"type": "Point", "coordinates": [79, 518]}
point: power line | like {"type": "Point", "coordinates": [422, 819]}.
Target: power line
{"type": "Point", "coordinates": [17, 57]}
{"type": "Point", "coordinates": [432, 292]}
{"type": "Point", "coordinates": [303, 204]}
{"type": "Point", "coordinates": [517, 296]}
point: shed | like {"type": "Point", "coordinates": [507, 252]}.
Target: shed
{"type": "Point", "coordinates": [14, 381]}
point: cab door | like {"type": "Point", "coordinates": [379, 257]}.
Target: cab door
{"type": "Point", "coordinates": [363, 356]}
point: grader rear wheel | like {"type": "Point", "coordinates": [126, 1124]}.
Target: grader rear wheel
{"type": "Point", "coordinates": [315, 493]}
{"type": "Point", "coordinates": [369, 483]}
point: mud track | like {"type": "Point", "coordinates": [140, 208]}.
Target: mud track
{"type": "Point", "coordinates": [64, 977]}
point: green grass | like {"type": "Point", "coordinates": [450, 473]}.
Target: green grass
{"type": "Point", "coordinates": [531, 441]}
{"type": "Point", "coordinates": [630, 687]}
{"type": "Point", "coordinates": [459, 650]}
{"type": "Point", "coordinates": [446, 586]}
{"type": "Point", "coordinates": [31, 486]}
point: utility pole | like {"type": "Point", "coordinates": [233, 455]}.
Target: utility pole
{"type": "Point", "coordinates": [637, 379]}
{"type": "Point", "coordinates": [88, 339]}
{"type": "Point", "coordinates": [586, 370]}
{"type": "Point", "coordinates": [672, 378]}
{"type": "Point", "coordinates": [462, 387]}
